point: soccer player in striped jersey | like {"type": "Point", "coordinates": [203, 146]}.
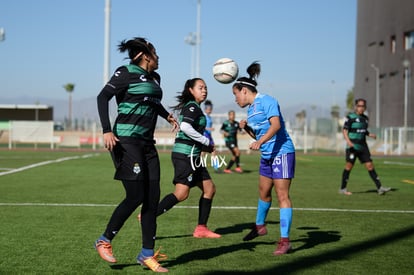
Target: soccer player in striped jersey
{"type": "Point", "coordinates": [230, 128]}
{"type": "Point", "coordinates": [277, 164]}
{"type": "Point", "coordinates": [189, 170]}
{"type": "Point", "coordinates": [355, 131]}
{"type": "Point", "coordinates": [131, 144]}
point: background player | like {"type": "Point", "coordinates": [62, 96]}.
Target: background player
{"type": "Point", "coordinates": [229, 129]}
{"type": "Point", "coordinates": [355, 131]}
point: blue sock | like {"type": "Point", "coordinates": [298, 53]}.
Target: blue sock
{"type": "Point", "coordinates": [285, 221]}
{"type": "Point", "coordinates": [103, 238]}
{"type": "Point", "coordinates": [262, 210]}
{"type": "Point", "coordinates": [147, 252]}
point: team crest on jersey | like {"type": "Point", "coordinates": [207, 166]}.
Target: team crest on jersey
{"type": "Point", "coordinates": [190, 178]}
{"type": "Point", "coordinates": [136, 168]}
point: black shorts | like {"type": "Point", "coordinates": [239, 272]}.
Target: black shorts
{"type": "Point", "coordinates": [136, 162]}
{"type": "Point", "coordinates": [363, 155]}
{"type": "Point", "coordinates": [184, 172]}
{"type": "Point", "coordinates": [231, 145]}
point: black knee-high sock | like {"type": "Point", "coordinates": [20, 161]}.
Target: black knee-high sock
{"type": "Point", "coordinates": [166, 204]}
{"type": "Point", "coordinates": [238, 161]}
{"type": "Point", "coordinates": [345, 177]}
{"type": "Point", "coordinates": [204, 208]}
{"type": "Point", "coordinates": [375, 178]}
{"type": "Point", "coordinates": [231, 162]}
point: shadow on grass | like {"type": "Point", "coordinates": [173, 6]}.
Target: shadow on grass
{"type": "Point", "coordinates": [208, 253]}
{"type": "Point", "coordinates": [122, 266]}
{"type": "Point", "coordinates": [238, 228]}
{"type": "Point", "coordinates": [316, 237]}
{"type": "Point", "coordinates": [174, 237]}
{"type": "Point", "coordinates": [303, 263]}
{"type": "Point", "coordinates": [374, 191]}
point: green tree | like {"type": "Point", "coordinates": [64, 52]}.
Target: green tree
{"type": "Point", "coordinates": [69, 87]}
{"type": "Point", "coordinates": [350, 99]}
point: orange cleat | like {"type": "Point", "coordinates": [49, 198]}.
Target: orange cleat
{"type": "Point", "coordinates": [105, 251]}
{"type": "Point", "coordinates": [201, 231]}
{"type": "Point", "coordinates": [152, 262]}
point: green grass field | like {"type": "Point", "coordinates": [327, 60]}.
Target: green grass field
{"type": "Point", "coordinates": [53, 206]}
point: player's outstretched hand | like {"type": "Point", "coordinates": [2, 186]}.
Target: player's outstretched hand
{"type": "Point", "coordinates": [173, 121]}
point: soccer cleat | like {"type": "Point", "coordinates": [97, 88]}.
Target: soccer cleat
{"type": "Point", "coordinates": [238, 170]}
{"type": "Point", "coordinates": [227, 171]}
{"type": "Point", "coordinates": [105, 251]}
{"type": "Point", "coordinates": [383, 190]}
{"type": "Point", "coordinates": [201, 231]}
{"type": "Point", "coordinates": [152, 261]}
{"type": "Point", "coordinates": [256, 231]}
{"type": "Point", "coordinates": [283, 247]}
{"type": "Point", "coordinates": [344, 192]}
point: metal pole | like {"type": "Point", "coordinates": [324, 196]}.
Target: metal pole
{"type": "Point", "coordinates": [198, 39]}
{"type": "Point", "coordinates": [377, 99]}
{"type": "Point", "coordinates": [106, 41]}
{"type": "Point", "coordinates": [2, 34]}
{"type": "Point", "coordinates": [406, 65]}
{"type": "Point", "coordinates": [191, 39]}
{"type": "Point", "coordinates": [405, 98]}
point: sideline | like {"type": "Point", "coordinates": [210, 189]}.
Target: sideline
{"type": "Point", "coordinates": [214, 207]}
{"type": "Point", "coordinates": [46, 163]}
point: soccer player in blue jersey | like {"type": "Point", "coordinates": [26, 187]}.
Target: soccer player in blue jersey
{"type": "Point", "coordinates": [355, 131]}
{"type": "Point", "coordinates": [131, 143]}
{"type": "Point", "coordinates": [189, 170]}
{"type": "Point", "coordinates": [277, 164]}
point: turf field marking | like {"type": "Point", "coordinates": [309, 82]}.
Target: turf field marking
{"type": "Point", "coordinates": [214, 207]}
{"type": "Point", "coordinates": [399, 163]}
{"type": "Point", "coordinates": [45, 163]}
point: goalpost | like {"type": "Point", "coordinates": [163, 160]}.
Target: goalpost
{"type": "Point", "coordinates": [22, 131]}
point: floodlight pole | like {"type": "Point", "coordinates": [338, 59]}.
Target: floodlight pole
{"type": "Point", "coordinates": [2, 34]}
{"type": "Point", "coordinates": [197, 73]}
{"type": "Point", "coordinates": [107, 41]}
{"type": "Point", "coordinates": [407, 68]}
{"type": "Point", "coordinates": [192, 41]}
{"type": "Point", "coordinates": [377, 100]}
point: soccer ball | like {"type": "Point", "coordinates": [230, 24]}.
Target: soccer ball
{"type": "Point", "coordinates": [225, 70]}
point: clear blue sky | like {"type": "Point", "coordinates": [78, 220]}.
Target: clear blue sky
{"type": "Point", "coordinates": [306, 47]}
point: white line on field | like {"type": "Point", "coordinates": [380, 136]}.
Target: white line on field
{"type": "Point", "coordinates": [215, 207]}
{"type": "Point", "coordinates": [399, 163]}
{"type": "Point", "coordinates": [44, 163]}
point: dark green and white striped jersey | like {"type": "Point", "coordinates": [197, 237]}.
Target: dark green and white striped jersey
{"type": "Point", "coordinates": [139, 108]}
{"type": "Point", "coordinates": [231, 127]}
{"type": "Point", "coordinates": [192, 114]}
{"type": "Point", "coordinates": [357, 126]}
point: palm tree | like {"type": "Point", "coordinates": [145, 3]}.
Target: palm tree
{"type": "Point", "coordinates": [69, 88]}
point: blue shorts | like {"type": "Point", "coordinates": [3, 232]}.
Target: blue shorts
{"type": "Point", "coordinates": [210, 138]}
{"type": "Point", "coordinates": [280, 167]}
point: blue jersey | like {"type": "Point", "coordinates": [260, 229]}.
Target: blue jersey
{"type": "Point", "coordinates": [260, 111]}
{"type": "Point", "coordinates": [209, 125]}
